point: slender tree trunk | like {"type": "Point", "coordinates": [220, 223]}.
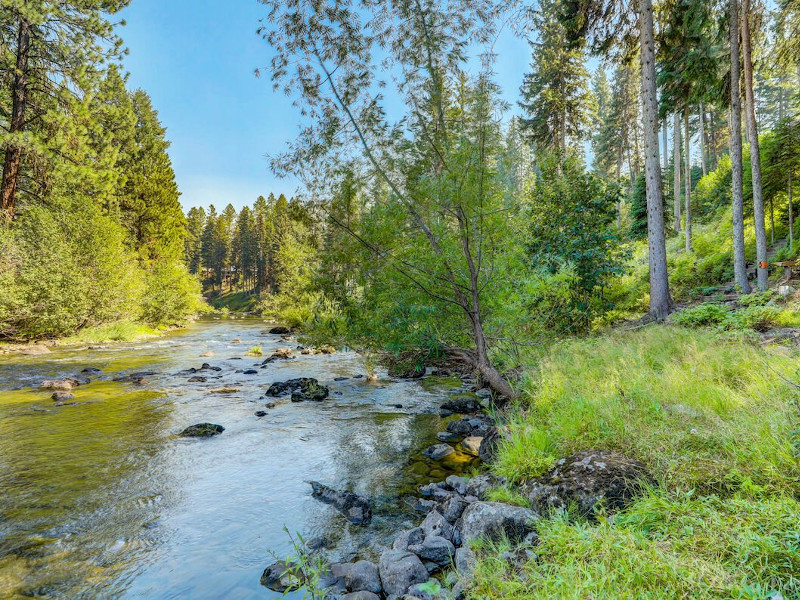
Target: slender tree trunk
{"type": "Point", "coordinates": [739, 263]}
{"type": "Point", "coordinates": [713, 128]}
{"type": "Point", "coordinates": [755, 151]}
{"type": "Point", "coordinates": [703, 140]}
{"type": "Point", "coordinates": [665, 141]}
{"type": "Point", "coordinates": [19, 101]}
{"type": "Point", "coordinates": [676, 168]}
{"type": "Point", "coordinates": [660, 300]}
{"type": "Point", "coordinates": [791, 213]}
{"type": "Point", "coordinates": [619, 177]}
{"type": "Point", "coordinates": [772, 221]}
{"type": "Point", "coordinates": [688, 180]}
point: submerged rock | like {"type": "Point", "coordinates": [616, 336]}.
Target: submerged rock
{"type": "Point", "coordinates": [91, 371]}
{"type": "Point", "coordinates": [62, 396]}
{"type": "Point", "coordinates": [202, 430]}
{"type": "Point", "coordinates": [472, 445]}
{"type": "Point", "coordinates": [197, 379]}
{"type": "Point", "coordinates": [588, 480]}
{"type": "Point", "coordinates": [355, 508]}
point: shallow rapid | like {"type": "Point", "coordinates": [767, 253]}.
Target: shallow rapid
{"type": "Point", "coordinates": [101, 498]}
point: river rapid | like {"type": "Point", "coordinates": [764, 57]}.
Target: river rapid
{"type": "Point", "coordinates": [101, 499]}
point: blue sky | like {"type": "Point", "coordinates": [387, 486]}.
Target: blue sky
{"type": "Point", "coordinates": [196, 59]}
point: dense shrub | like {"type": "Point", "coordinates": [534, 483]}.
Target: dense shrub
{"type": "Point", "coordinates": [65, 267]}
{"type": "Point", "coordinates": [171, 294]}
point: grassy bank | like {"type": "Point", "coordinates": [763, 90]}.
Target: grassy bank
{"type": "Point", "coordinates": [714, 419]}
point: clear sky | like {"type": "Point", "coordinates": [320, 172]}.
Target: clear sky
{"type": "Point", "coordinates": [196, 59]}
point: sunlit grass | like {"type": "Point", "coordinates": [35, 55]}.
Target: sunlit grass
{"type": "Point", "coordinates": [664, 546]}
{"type": "Point", "coordinates": [700, 410]}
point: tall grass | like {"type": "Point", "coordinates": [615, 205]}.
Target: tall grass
{"type": "Point", "coordinates": [701, 411]}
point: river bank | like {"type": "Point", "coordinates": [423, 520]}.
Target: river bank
{"type": "Point", "coordinates": [101, 496]}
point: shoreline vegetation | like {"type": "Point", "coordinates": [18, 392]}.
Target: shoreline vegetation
{"type": "Point", "coordinates": [631, 316]}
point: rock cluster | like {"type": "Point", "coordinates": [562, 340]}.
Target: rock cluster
{"type": "Point", "coordinates": [301, 389]}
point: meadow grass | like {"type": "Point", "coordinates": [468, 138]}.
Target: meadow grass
{"type": "Point", "coordinates": [716, 421]}
{"type": "Point", "coordinates": [121, 331]}
{"type": "Point", "coordinates": [664, 546]}
{"type": "Point", "coordinates": [701, 410]}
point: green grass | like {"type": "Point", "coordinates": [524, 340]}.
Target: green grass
{"type": "Point", "coordinates": [665, 546]}
{"type": "Point", "coordinates": [233, 301]}
{"type": "Point", "coordinates": [122, 331]}
{"type": "Point", "coordinates": [712, 418]}
{"type": "Point", "coordinates": [702, 411]}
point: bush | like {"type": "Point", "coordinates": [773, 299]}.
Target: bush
{"type": "Point", "coordinates": [171, 295]}
{"type": "Point", "coordinates": [64, 268]}
{"type": "Point", "coordinates": [703, 315]}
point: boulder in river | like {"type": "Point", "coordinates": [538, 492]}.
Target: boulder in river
{"type": "Point", "coordinates": [91, 371]}
{"type": "Point", "coordinates": [62, 396]}
{"type": "Point", "coordinates": [202, 430]}
{"type": "Point", "coordinates": [280, 330]}
{"type": "Point", "coordinates": [472, 445]}
{"type": "Point", "coordinates": [588, 480]}
{"type": "Point", "coordinates": [362, 576]}
{"type": "Point", "coordinates": [279, 577]}
{"type": "Point", "coordinates": [362, 595]}
{"type": "Point", "coordinates": [303, 388]}
{"type": "Point", "coordinates": [400, 570]}
{"type": "Point", "coordinates": [197, 379]}
{"type": "Point", "coordinates": [463, 405]}
{"type": "Point", "coordinates": [439, 451]}
{"type": "Point", "coordinates": [65, 384]}
{"type": "Point", "coordinates": [355, 508]}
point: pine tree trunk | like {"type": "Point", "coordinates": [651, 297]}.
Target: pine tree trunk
{"type": "Point", "coordinates": [688, 180]}
{"type": "Point", "coordinates": [772, 221]}
{"type": "Point", "coordinates": [660, 300]}
{"type": "Point", "coordinates": [619, 177]}
{"type": "Point", "coordinates": [665, 141]}
{"type": "Point", "coordinates": [713, 128]}
{"type": "Point", "coordinates": [703, 140]}
{"type": "Point", "coordinates": [755, 151]}
{"type": "Point", "coordinates": [676, 168]}
{"type": "Point", "coordinates": [739, 263]}
{"type": "Point", "coordinates": [791, 213]}
{"type": "Point", "coordinates": [19, 101]}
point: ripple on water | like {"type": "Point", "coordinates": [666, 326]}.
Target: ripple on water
{"type": "Point", "coordinates": [101, 499]}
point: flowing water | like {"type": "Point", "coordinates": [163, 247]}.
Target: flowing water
{"type": "Point", "coordinates": [101, 499]}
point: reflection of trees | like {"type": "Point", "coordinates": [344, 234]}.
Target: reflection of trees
{"type": "Point", "coordinates": [73, 483]}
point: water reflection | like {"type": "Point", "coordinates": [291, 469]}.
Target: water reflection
{"type": "Point", "coordinates": [101, 499]}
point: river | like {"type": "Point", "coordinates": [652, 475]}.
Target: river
{"type": "Point", "coordinates": [101, 499]}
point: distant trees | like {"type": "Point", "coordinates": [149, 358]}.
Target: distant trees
{"type": "Point", "coordinates": [555, 95]}
{"type": "Point", "coordinates": [262, 249]}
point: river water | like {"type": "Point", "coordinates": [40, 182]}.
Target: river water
{"type": "Point", "coordinates": [102, 500]}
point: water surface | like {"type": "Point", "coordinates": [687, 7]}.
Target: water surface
{"type": "Point", "coordinates": [101, 499]}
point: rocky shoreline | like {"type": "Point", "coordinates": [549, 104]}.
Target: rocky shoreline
{"type": "Point", "coordinates": [435, 559]}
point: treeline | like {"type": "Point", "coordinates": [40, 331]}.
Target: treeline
{"type": "Point", "coordinates": [471, 227]}
{"type": "Point", "coordinates": [266, 249]}
{"type": "Point", "coordinates": [92, 228]}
